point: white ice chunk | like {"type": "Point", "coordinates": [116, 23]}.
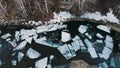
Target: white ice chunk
{"type": "Point", "coordinates": [8, 39]}
{"type": "Point", "coordinates": [0, 62]}
{"type": "Point", "coordinates": [63, 15]}
{"type": "Point", "coordinates": [20, 56]}
{"type": "Point", "coordinates": [31, 53]}
{"type": "Point", "coordinates": [41, 63]}
{"type": "Point", "coordinates": [92, 52]}
{"type": "Point", "coordinates": [106, 52]}
{"type": "Point", "coordinates": [76, 38]}
{"type": "Point", "coordinates": [17, 34]}
{"type": "Point", "coordinates": [103, 28]}
{"type": "Point", "coordinates": [88, 43]}
{"type": "Point", "coordinates": [5, 36]}
{"type": "Point", "coordinates": [109, 42]}
{"type": "Point", "coordinates": [108, 39]}
{"type": "Point", "coordinates": [103, 65]}
{"type": "Point", "coordinates": [22, 31]}
{"type": "Point", "coordinates": [76, 45]}
{"type": "Point", "coordinates": [65, 51]}
{"type": "Point", "coordinates": [14, 62]}
{"type": "Point", "coordinates": [65, 36]}
{"type": "Point", "coordinates": [49, 66]}
{"type": "Point", "coordinates": [82, 29]}
{"type": "Point", "coordinates": [13, 43]}
{"type": "Point", "coordinates": [89, 36]}
{"type": "Point", "coordinates": [99, 35]}
{"type": "Point", "coordinates": [100, 55]}
{"type": "Point", "coordinates": [72, 50]}
{"type": "Point", "coordinates": [29, 40]}
{"type": "Point", "coordinates": [43, 41]}
{"type": "Point", "coordinates": [99, 41]}
{"type": "Point", "coordinates": [41, 29]}
{"type": "Point", "coordinates": [21, 45]}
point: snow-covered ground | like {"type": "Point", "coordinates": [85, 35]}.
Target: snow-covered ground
{"type": "Point", "coordinates": [98, 16]}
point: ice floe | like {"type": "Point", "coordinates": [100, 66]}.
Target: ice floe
{"type": "Point", "coordinates": [31, 53]}
{"type": "Point", "coordinates": [103, 28]}
{"type": "Point", "coordinates": [106, 52]}
{"type": "Point", "coordinates": [29, 40]}
{"type": "Point", "coordinates": [76, 45]}
{"type": "Point", "coordinates": [99, 35]}
{"type": "Point", "coordinates": [65, 36]}
{"type": "Point", "coordinates": [5, 36]}
{"type": "Point", "coordinates": [41, 63]}
{"type": "Point", "coordinates": [21, 45]}
{"type": "Point", "coordinates": [92, 52]}
{"type": "Point", "coordinates": [20, 56]}
{"type": "Point", "coordinates": [13, 43]}
{"type": "Point", "coordinates": [82, 29]}
{"type": "Point", "coordinates": [109, 42]}
{"type": "Point", "coordinates": [88, 43]}
{"type": "Point", "coordinates": [14, 62]}
{"type": "Point", "coordinates": [65, 51]}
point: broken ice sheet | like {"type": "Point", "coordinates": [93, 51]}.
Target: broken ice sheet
{"type": "Point", "coordinates": [106, 52]}
{"type": "Point", "coordinates": [5, 36]}
{"type": "Point", "coordinates": [82, 29]}
{"type": "Point", "coordinates": [21, 45]}
{"type": "Point", "coordinates": [20, 56]}
{"type": "Point", "coordinates": [92, 52]}
{"type": "Point", "coordinates": [14, 62]}
{"type": "Point", "coordinates": [41, 63]}
{"type": "Point", "coordinates": [65, 51]}
{"type": "Point", "coordinates": [31, 53]}
{"type": "Point", "coordinates": [103, 28]}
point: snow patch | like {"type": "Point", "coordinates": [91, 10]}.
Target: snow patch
{"type": "Point", "coordinates": [14, 62]}
{"type": "Point", "coordinates": [98, 16]}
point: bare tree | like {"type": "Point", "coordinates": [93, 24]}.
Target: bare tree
{"type": "Point", "coordinates": [22, 7]}
{"type": "Point", "coordinates": [2, 6]}
{"type": "Point", "coordinates": [46, 6]}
